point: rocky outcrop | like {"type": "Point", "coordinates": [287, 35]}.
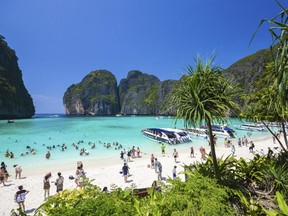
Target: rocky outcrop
{"type": "Point", "coordinates": [15, 101]}
{"type": "Point", "coordinates": [143, 94]}
{"type": "Point", "coordinates": [96, 94]}
{"type": "Point", "coordinates": [138, 94]}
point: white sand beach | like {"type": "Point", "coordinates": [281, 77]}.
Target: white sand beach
{"type": "Point", "coordinates": [108, 173]}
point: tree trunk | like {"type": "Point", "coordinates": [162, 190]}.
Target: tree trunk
{"type": "Point", "coordinates": [213, 152]}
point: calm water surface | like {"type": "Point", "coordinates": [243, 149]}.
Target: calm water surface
{"type": "Point", "coordinates": [48, 130]}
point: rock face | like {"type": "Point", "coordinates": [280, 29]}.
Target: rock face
{"type": "Point", "coordinates": [15, 101]}
{"type": "Point", "coordinates": [248, 70]}
{"type": "Point", "coordinates": [143, 94]}
{"type": "Point", "coordinates": [96, 94]}
{"type": "Point", "coordinates": [138, 94]}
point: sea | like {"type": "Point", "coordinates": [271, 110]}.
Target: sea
{"type": "Point", "coordinates": [45, 131]}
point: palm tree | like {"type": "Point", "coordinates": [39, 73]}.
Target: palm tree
{"type": "Point", "coordinates": [205, 96]}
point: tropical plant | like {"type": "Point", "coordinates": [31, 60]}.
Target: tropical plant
{"type": "Point", "coordinates": [279, 51]}
{"type": "Point", "coordinates": [283, 207]}
{"type": "Point", "coordinates": [205, 96]}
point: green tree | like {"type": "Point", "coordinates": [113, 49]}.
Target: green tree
{"type": "Point", "coordinates": [205, 96]}
{"type": "Point", "coordinates": [279, 51]}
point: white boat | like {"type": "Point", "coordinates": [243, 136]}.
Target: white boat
{"type": "Point", "coordinates": [221, 131]}
{"type": "Point", "coordinates": [216, 130]}
{"type": "Point", "coordinates": [251, 127]}
{"type": "Point", "coordinates": [167, 135]}
{"type": "Point", "coordinates": [197, 132]}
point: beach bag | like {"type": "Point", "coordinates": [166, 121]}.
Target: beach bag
{"type": "Point", "coordinates": [21, 197]}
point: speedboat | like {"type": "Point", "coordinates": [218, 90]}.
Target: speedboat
{"type": "Point", "coordinates": [167, 135]}
{"type": "Point", "coordinates": [251, 127]}
{"type": "Point", "coordinates": [10, 121]}
{"type": "Point", "coordinates": [221, 130]}
{"type": "Point", "coordinates": [197, 132]}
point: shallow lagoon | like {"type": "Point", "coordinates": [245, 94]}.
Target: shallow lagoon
{"type": "Point", "coordinates": [48, 130]}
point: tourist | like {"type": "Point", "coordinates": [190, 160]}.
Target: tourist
{"type": "Point", "coordinates": [59, 182]}
{"type": "Point", "coordinates": [80, 175]}
{"type": "Point", "coordinates": [105, 189]}
{"type": "Point", "coordinates": [262, 153]}
{"type": "Point", "coordinates": [125, 172]}
{"type": "Point", "coordinates": [79, 165]}
{"type": "Point", "coordinates": [192, 152]}
{"type": "Point", "coordinates": [5, 173]}
{"type": "Point", "coordinates": [18, 171]}
{"type": "Point", "coordinates": [175, 155]}
{"type": "Point", "coordinates": [2, 177]}
{"type": "Point", "coordinates": [3, 165]}
{"type": "Point", "coordinates": [252, 146]}
{"type": "Point", "coordinates": [20, 197]}
{"type": "Point", "coordinates": [156, 165]}
{"type": "Point", "coordinates": [274, 139]}
{"type": "Point", "coordinates": [163, 149]}
{"type": "Point", "coordinates": [122, 155]}
{"type": "Point", "coordinates": [48, 155]}
{"type": "Point", "coordinates": [46, 185]}
{"type": "Point", "coordinates": [129, 155]}
{"type": "Point", "coordinates": [270, 152]}
{"type": "Point", "coordinates": [203, 153]}
{"type": "Point", "coordinates": [239, 142]}
{"type": "Point", "coordinates": [233, 150]}
{"type": "Point", "coordinates": [152, 161]}
{"type": "Point", "coordinates": [138, 152]}
{"type": "Point", "coordinates": [159, 165]}
{"type": "Point", "coordinates": [174, 172]}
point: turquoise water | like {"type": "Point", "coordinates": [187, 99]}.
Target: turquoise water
{"type": "Point", "coordinates": [48, 130]}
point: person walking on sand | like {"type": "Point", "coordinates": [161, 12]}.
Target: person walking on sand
{"type": "Point", "coordinates": [192, 152]}
{"type": "Point", "coordinates": [138, 152]}
{"type": "Point", "coordinates": [175, 155]}
{"type": "Point", "coordinates": [2, 177]}
{"type": "Point", "coordinates": [174, 172]}
{"type": "Point", "coordinates": [152, 161]}
{"type": "Point", "coordinates": [46, 185]}
{"type": "Point", "coordinates": [59, 182]}
{"type": "Point", "coordinates": [156, 165]}
{"type": "Point", "coordinates": [18, 171]}
{"type": "Point", "coordinates": [125, 172]}
{"type": "Point", "coordinates": [20, 197]}
{"type": "Point", "coordinates": [233, 150]}
{"type": "Point", "coordinates": [163, 149]}
{"type": "Point", "coordinates": [159, 165]}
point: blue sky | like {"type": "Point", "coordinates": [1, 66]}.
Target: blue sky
{"type": "Point", "coordinates": [59, 42]}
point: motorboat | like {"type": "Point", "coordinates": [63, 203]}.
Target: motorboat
{"type": "Point", "coordinates": [167, 135]}
{"type": "Point", "coordinates": [197, 132]}
{"type": "Point", "coordinates": [251, 127]}
{"type": "Point", "coordinates": [221, 130]}
{"type": "Point", "coordinates": [10, 121]}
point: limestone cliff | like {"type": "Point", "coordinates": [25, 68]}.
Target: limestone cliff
{"type": "Point", "coordinates": [249, 69]}
{"type": "Point", "coordinates": [143, 94]}
{"type": "Point", "coordinates": [15, 101]}
{"type": "Point", "coordinates": [96, 94]}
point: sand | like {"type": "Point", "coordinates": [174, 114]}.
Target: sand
{"type": "Point", "coordinates": [108, 173]}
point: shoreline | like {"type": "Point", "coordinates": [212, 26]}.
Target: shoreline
{"type": "Point", "coordinates": [107, 172]}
